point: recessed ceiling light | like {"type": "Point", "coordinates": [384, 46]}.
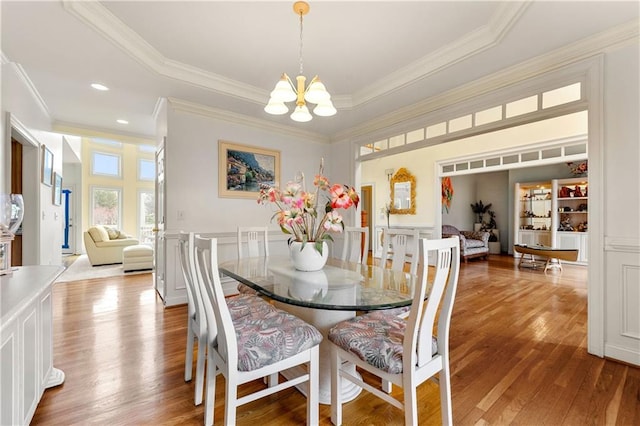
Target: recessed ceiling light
{"type": "Point", "coordinates": [99, 86]}
{"type": "Point", "coordinates": [121, 121]}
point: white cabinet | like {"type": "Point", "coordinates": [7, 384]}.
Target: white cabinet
{"type": "Point", "coordinates": [26, 342]}
{"type": "Point", "coordinates": [532, 238]}
{"type": "Point", "coordinates": [574, 240]}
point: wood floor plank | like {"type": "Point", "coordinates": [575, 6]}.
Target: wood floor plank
{"type": "Point", "coordinates": [518, 356]}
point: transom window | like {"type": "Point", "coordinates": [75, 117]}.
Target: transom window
{"type": "Point", "coordinates": [105, 164]}
{"type": "Point", "coordinates": [530, 104]}
{"type": "Point", "coordinates": [146, 169]}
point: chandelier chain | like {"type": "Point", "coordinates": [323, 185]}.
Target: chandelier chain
{"type": "Point", "coordinates": [300, 53]}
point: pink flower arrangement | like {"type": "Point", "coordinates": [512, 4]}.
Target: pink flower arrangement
{"type": "Point", "coordinates": [301, 214]}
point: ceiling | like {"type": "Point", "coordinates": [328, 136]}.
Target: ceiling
{"type": "Point", "coordinates": [374, 57]}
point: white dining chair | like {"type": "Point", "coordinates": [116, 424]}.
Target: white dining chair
{"type": "Point", "coordinates": [354, 248]}
{"type": "Point", "coordinates": [197, 328]}
{"type": "Point", "coordinates": [400, 246]}
{"type": "Point", "coordinates": [402, 351]}
{"type": "Point", "coordinates": [196, 321]}
{"type": "Point", "coordinates": [253, 238]}
{"type": "Point", "coordinates": [253, 346]}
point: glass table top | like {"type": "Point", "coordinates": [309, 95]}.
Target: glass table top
{"type": "Point", "coordinates": [342, 286]}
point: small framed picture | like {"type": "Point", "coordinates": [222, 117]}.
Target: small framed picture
{"type": "Point", "coordinates": [57, 189]}
{"type": "Point", "coordinates": [47, 166]}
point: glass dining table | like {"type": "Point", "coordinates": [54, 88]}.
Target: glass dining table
{"type": "Point", "coordinates": [325, 297]}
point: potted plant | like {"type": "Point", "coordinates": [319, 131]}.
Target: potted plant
{"type": "Point", "coordinates": [479, 209]}
{"type": "Point", "coordinates": [309, 217]}
{"type": "Point", "coordinates": [492, 228]}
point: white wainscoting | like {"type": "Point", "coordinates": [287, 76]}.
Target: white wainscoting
{"type": "Point", "coordinates": [622, 298]}
{"type": "Point", "coordinates": [173, 291]}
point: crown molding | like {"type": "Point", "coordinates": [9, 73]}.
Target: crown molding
{"type": "Point", "coordinates": [96, 16]}
{"type": "Point", "coordinates": [472, 43]}
{"type": "Point", "coordinates": [26, 81]}
{"type": "Point", "coordinates": [75, 129]}
{"type": "Point", "coordinates": [603, 42]}
{"type": "Point", "coordinates": [232, 117]}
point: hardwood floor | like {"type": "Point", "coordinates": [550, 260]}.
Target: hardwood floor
{"type": "Point", "coordinates": [518, 356]}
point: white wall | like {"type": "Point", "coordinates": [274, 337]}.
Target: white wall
{"type": "Point", "coordinates": [42, 240]}
{"type": "Point", "coordinates": [622, 204]}
{"type": "Point", "coordinates": [192, 172]}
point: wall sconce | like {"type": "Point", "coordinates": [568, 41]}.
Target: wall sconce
{"type": "Point", "coordinates": [389, 173]}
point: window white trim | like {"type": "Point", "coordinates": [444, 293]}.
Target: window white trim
{"type": "Point", "coordinates": [140, 222]}
{"type": "Point", "coordinates": [106, 154]}
{"type": "Point", "coordinates": [92, 191]}
{"type": "Point", "coordinates": [552, 152]}
{"type": "Point", "coordinates": [467, 119]}
{"type": "Point", "coordinates": [151, 161]}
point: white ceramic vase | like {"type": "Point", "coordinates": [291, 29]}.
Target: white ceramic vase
{"type": "Point", "coordinates": [307, 258]}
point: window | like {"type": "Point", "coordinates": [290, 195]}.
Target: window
{"type": "Point", "coordinates": [104, 164]}
{"type": "Point", "coordinates": [146, 216]}
{"type": "Point", "coordinates": [146, 169]}
{"type": "Point", "coordinates": [106, 205]}
{"type": "Point", "coordinates": [147, 148]}
{"type": "Point", "coordinates": [529, 105]}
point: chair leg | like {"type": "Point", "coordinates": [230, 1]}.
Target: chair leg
{"type": "Point", "coordinates": [336, 385]}
{"type": "Point", "coordinates": [209, 403]}
{"type": "Point", "coordinates": [200, 371]}
{"type": "Point", "coordinates": [387, 386]}
{"type": "Point", "coordinates": [410, 403]}
{"type": "Point", "coordinates": [231, 400]}
{"type": "Point", "coordinates": [271, 380]}
{"type": "Point", "coordinates": [445, 396]}
{"type": "Point", "coordinates": [188, 357]}
{"type": "Point", "coordinates": [313, 410]}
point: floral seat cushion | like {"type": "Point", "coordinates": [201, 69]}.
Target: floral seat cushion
{"type": "Point", "coordinates": [375, 338]}
{"type": "Point", "coordinates": [242, 305]}
{"type": "Point", "coordinates": [268, 336]}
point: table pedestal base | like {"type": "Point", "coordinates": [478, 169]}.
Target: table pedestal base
{"type": "Point", "coordinates": [323, 320]}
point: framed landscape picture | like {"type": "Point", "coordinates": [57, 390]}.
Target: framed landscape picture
{"type": "Point", "coordinates": [47, 166]}
{"type": "Point", "coordinates": [242, 169]}
{"type": "Point", "coordinates": [57, 189]}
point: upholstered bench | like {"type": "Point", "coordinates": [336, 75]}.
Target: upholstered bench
{"type": "Point", "coordinates": [137, 257]}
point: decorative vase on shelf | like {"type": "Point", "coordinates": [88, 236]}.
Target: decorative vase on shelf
{"type": "Point", "coordinates": [307, 258]}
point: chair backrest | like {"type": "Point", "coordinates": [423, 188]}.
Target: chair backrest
{"type": "Point", "coordinates": [401, 246]}
{"type": "Point", "coordinates": [448, 230]}
{"type": "Point", "coordinates": [187, 264]}
{"type": "Point", "coordinates": [217, 312]}
{"type": "Point", "coordinates": [252, 235]}
{"type": "Point", "coordinates": [351, 250]}
{"type": "Point", "coordinates": [442, 290]}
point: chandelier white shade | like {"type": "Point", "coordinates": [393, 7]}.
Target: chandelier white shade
{"type": "Point", "coordinates": [286, 91]}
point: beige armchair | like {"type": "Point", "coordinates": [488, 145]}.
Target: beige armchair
{"type": "Point", "coordinates": [472, 243]}
{"type": "Point", "coordinates": [104, 245]}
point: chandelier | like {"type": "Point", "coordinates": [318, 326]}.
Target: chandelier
{"type": "Point", "coordinates": [286, 91]}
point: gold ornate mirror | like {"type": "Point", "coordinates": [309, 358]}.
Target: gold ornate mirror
{"type": "Point", "coordinates": [403, 193]}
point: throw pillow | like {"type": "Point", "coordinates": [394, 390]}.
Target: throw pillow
{"type": "Point", "coordinates": [114, 233]}
{"type": "Point", "coordinates": [98, 233]}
